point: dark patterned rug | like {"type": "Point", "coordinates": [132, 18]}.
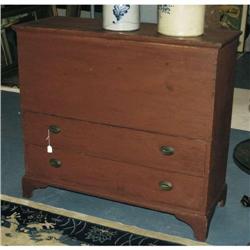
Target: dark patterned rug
{"type": "Point", "coordinates": [26, 225]}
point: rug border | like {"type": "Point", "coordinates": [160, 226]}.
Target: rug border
{"type": "Point", "coordinates": [103, 222]}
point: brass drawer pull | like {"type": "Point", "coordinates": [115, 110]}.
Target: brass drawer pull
{"type": "Point", "coordinates": [167, 150]}
{"type": "Point", "coordinates": [54, 129]}
{"type": "Point", "coordinates": [55, 163]}
{"type": "Point", "coordinates": [166, 185]}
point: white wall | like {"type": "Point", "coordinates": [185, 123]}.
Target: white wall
{"type": "Point", "coordinates": [148, 13]}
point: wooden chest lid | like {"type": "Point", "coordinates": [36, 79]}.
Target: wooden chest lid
{"type": "Point", "coordinates": [147, 32]}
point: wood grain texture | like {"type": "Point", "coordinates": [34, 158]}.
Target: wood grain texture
{"type": "Point", "coordinates": [118, 97]}
{"type": "Point", "coordinates": [221, 121]}
{"type": "Point", "coordinates": [140, 86]}
{"type": "Point", "coordinates": [109, 179]}
{"type": "Point", "coordinates": [214, 38]}
{"type": "Point", "coordinates": [120, 144]}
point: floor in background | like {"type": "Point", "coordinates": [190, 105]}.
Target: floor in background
{"type": "Point", "coordinates": [30, 223]}
{"type": "Point", "coordinates": [241, 109]}
{"type": "Point", "coordinates": [229, 226]}
{"type": "Point", "coordinates": [242, 74]}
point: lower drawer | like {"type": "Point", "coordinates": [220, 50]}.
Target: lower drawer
{"type": "Point", "coordinates": [114, 180]}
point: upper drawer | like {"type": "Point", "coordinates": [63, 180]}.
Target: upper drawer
{"type": "Point", "coordinates": [118, 144]}
{"type": "Point", "coordinates": [153, 87]}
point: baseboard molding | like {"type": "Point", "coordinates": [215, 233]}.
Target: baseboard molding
{"type": "Point", "coordinates": [9, 89]}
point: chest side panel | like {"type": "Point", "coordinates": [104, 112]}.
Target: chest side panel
{"type": "Point", "coordinates": [221, 121]}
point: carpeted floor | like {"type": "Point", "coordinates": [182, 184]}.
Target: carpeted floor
{"type": "Point", "coordinates": [229, 226]}
{"type": "Point", "coordinates": [28, 223]}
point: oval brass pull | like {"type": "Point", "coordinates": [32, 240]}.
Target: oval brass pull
{"type": "Point", "coordinates": [166, 185]}
{"type": "Point", "coordinates": [54, 129]}
{"type": "Point", "coordinates": [167, 150]}
{"type": "Point", "coordinates": [55, 163]}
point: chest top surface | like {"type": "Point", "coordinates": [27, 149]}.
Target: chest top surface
{"type": "Point", "coordinates": [147, 33]}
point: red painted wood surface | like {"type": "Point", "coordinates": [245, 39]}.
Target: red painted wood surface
{"type": "Point", "coordinates": [119, 144]}
{"type": "Point", "coordinates": [213, 38]}
{"type": "Point", "coordinates": [111, 179]}
{"type": "Point", "coordinates": [118, 97]}
{"type": "Point", "coordinates": [221, 121]}
{"type": "Point", "coordinates": [140, 86]}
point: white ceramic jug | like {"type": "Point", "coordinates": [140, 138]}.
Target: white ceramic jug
{"type": "Point", "coordinates": [181, 20]}
{"type": "Point", "coordinates": [121, 17]}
